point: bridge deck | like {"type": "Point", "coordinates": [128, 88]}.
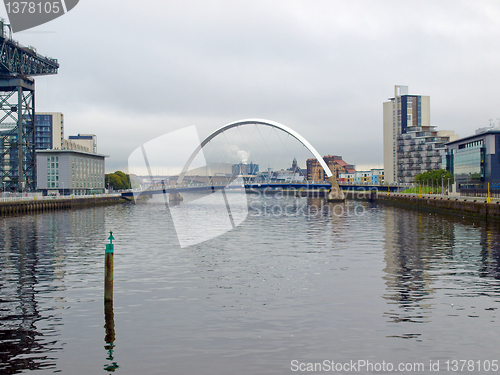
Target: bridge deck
{"type": "Point", "coordinates": [257, 186]}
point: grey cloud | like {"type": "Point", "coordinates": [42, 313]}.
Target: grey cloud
{"type": "Point", "coordinates": [323, 67]}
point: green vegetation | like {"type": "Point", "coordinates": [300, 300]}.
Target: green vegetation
{"type": "Point", "coordinates": [434, 177]}
{"type": "Point", "coordinates": [117, 181]}
{"type": "Point", "coordinates": [430, 182]}
{"type": "Point", "coordinates": [425, 190]}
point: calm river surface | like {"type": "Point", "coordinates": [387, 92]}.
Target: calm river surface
{"type": "Point", "coordinates": [298, 284]}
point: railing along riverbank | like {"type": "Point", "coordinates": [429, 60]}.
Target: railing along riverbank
{"type": "Point", "coordinates": [27, 204]}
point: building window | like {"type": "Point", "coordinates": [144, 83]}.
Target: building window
{"type": "Point", "coordinates": [52, 171]}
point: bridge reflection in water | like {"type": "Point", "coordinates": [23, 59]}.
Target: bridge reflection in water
{"type": "Point", "coordinates": [253, 186]}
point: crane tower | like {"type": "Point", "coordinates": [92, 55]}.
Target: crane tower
{"type": "Point", "coordinates": [18, 64]}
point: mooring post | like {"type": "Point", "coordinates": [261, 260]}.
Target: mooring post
{"type": "Point", "coordinates": [109, 318]}
{"type": "Point", "coordinates": [108, 269]}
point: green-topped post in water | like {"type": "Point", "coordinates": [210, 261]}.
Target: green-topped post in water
{"type": "Point", "coordinates": [108, 269]}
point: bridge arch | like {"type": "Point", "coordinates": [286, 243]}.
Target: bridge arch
{"type": "Point", "coordinates": [273, 124]}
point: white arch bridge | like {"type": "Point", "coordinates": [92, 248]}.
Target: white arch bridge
{"type": "Point", "coordinates": [335, 193]}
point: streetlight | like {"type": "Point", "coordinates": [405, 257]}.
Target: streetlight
{"type": "Point", "coordinates": [62, 182]}
{"type": "Point", "coordinates": [467, 189]}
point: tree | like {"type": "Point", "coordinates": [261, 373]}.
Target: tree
{"type": "Point", "coordinates": [435, 177]}
{"type": "Point", "coordinates": [125, 179]}
{"type": "Point", "coordinates": [117, 180]}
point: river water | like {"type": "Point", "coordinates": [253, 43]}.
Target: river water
{"type": "Point", "coordinates": [297, 285]}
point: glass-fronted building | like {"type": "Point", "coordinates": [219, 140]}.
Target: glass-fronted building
{"type": "Point", "coordinates": [474, 161]}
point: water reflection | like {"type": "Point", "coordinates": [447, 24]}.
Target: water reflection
{"type": "Point", "coordinates": [33, 259]}
{"type": "Point", "coordinates": [427, 252]}
{"type": "Point", "coordinates": [22, 344]}
{"type": "Point", "coordinates": [109, 338]}
{"type": "Point", "coordinates": [490, 251]}
{"type": "Point", "coordinates": [299, 277]}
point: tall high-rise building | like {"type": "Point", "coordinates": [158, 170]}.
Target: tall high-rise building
{"type": "Point", "coordinates": [49, 135]}
{"type": "Point", "coordinates": [49, 130]}
{"type": "Point", "coordinates": [411, 144]}
{"type": "Point", "coordinates": [401, 112]}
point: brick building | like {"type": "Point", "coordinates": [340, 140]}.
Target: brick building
{"type": "Point", "coordinates": [334, 162]}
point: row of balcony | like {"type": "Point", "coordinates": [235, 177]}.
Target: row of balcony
{"type": "Point", "coordinates": [430, 152]}
{"type": "Point", "coordinates": [419, 167]}
{"type": "Point", "coordinates": [432, 157]}
{"type": "Point", "coordinates": [425, 141]}
{"type": "Point", "coordinates": [421, 148]}
{"type": "Point", "coordinates": [418, 160]}
{"type": "Point", "coordinates": [407, 158]}
{"type": "Point", "coordinates": [418, 149]}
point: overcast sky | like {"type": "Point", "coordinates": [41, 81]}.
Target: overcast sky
{"type": "Point", "coordinates": [131, 71]}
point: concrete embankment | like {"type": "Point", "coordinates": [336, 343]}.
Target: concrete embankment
{"type": "Point", "coordinates": [14, 207]}
{"type": "Point", "coordinates": [463, 206]}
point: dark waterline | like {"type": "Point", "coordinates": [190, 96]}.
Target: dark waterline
{"type": "Point", "coordinates": [298, 280]}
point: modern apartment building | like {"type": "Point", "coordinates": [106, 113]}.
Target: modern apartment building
{"type": "Point", "coordinates": [411, 144]}
{"type": "Point", "coordinates": [49, 134]}
{"type": "Point", "coordinates": [49, 130]}
{"type": "Point", "coordinates": [66, 166]}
